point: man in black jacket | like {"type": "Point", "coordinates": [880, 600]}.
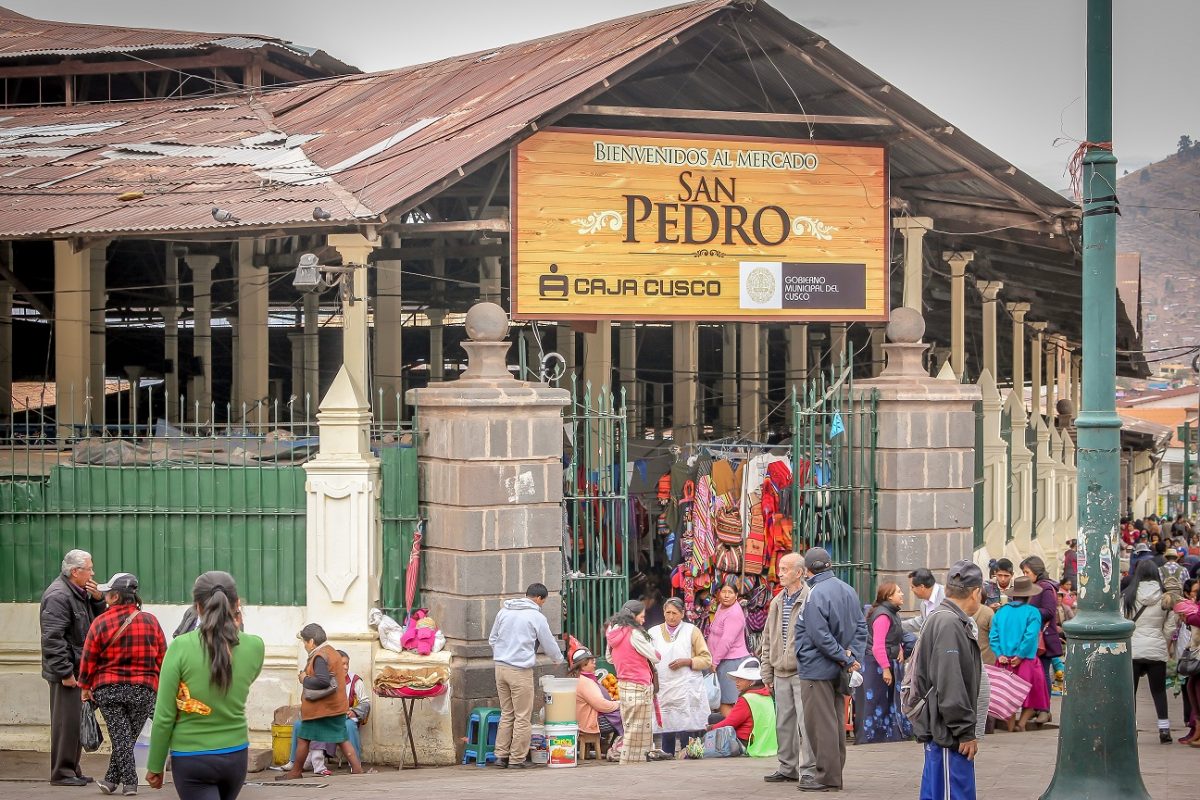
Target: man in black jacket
{"type": "Point", "coordinates": [947, 677]}
{"type": "Point", "coordinates": [69, 605]}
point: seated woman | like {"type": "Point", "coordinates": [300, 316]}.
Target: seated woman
{"type": "Point", "coordinates": [594, 706]}
{"type": "Point", "coordinates": [753, 715]}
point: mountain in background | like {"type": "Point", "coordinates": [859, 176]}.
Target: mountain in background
{"type": "Point", "coordinates": [1160, 219]}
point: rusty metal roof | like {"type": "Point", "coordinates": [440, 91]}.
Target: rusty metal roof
{"type": "Point", "coordinates": [26, 37]}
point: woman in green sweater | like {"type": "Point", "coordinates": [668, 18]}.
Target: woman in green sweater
{"type": "Point", "coordinates": [200, 714]}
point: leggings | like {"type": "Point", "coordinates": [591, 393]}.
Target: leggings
{"type": "Point", "coordinates": [125, 707]}
{"type": "Point", "coordinates": [1156, 676]}
{"type": "Point", "coordinates": [210, 777]}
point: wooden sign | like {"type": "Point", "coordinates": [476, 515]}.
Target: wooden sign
{"type": "Point", "coordinates": [652, 226]}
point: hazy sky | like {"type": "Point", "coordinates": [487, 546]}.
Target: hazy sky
{"type": "Point", "coordinates": [1009, 74]}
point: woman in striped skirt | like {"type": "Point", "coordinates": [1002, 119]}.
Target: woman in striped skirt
{"type": "Point", "coordinates": [633, 656]}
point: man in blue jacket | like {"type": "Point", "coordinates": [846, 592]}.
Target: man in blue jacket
{"type": "Point", "coordinates": [831, 638]}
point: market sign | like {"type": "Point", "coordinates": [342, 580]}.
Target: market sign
{"type": "Point", "coordinates": [653, 226]}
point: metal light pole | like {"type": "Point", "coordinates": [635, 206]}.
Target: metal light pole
{"type": "Point", "coordinates": [1097, 746]}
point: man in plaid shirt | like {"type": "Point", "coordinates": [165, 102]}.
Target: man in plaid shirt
{"type": "Point", "coordinates": [122, 656]}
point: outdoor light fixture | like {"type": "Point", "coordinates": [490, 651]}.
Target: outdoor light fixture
{"type": "Point", "coordinates": [311, 276]}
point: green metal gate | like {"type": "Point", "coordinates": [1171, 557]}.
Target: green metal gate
{"type": "Point", "coordinates": [400, 515]}
{"type": "Point", "coordinates": [833, 454]}
{"type": "Point", "coordinates": [595, 513]}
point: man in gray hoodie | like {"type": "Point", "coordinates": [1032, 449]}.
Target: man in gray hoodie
{"type": "Point", "coordinates": [519, 628]}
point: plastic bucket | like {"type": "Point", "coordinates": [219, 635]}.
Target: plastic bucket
{"type": "Point", "coordinates": [560, 699]}
{"type": "Point", "coordinates": [281, 744]}
{"type": "Point", "coordinates": [141, 753]}
{"type": "Point", "coordinates": [539, 754]}
{"type": "Point", "coordinates": [562, 740]}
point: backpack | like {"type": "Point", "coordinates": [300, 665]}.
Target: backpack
{"type": "Point", "coordinates": [722, 743]}
{"type": "Point", "coordinates": [912, 704]}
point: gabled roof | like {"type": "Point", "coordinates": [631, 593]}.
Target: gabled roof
{"type": "Point", "coordinates": [26, 37]}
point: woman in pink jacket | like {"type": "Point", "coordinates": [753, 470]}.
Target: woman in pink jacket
{"type": "Point", "coordinates": [727, 643]}
{"type": "Point", "coordinates": [634, 658]}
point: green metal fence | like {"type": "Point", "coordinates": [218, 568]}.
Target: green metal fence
{"type": "Point", "coordinates": [400, 515]}
{"type": "Point", "coordinates": [833, 453]}
{"type": "Point", "coordinates": [595, 513]}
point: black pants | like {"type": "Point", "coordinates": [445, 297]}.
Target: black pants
{"type": "Point", "coordinates": [1156, 676]}
{"type": "Point", "coordinates": [216, 777]}
{"type": "Point", "coordinates": [126, 708]}
{"type": "Point", "coordinates": [65, 750]}
{"type": "Point", "coordinates": [676, 739]}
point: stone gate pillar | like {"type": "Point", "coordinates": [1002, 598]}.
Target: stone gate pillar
{"type": "Point", "coordinates": [490, 450]}
{"type": "Point", "coordinates": [925, 459]}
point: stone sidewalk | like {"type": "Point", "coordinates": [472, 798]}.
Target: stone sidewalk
{"type": "Point", "coordinates": [1012, 766]}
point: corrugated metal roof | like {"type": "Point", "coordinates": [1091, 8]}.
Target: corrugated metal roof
{"type": "Point", "coordinates": [26, 37]}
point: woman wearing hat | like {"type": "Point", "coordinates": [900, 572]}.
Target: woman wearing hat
{"type": "Point", "coordinates": [753, 715]}
{"type": "Point", "coordinates": [634, 658]}
{"type": "Point", "coordinates": [592, 700]}
{"type": "Point", "coordinates": [682, 698]}
{"type": "Point", "coordinates": [1015, 635]}
{"type": "Point", "coordinates": [122, 656]}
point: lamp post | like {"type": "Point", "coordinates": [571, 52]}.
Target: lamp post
{"type": "Point", "coordinates": [1097, 746]}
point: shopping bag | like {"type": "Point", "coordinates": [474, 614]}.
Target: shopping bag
{"type": "Point", "coordinates": [1009, 691]}
{"type": "Point", "coordinates": [722, 743]}
{"type": "Point", "coordinates": [90, 736]}
{"type": "Point", "coordinates": [712, 687]}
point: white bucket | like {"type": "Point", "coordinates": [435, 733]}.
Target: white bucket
{"type": "Point", "coordinates": [560, 699]}
{"type": "Point", "coordinates": [538, 752]}
{"type": "Point", "coordinates": [562, 740]}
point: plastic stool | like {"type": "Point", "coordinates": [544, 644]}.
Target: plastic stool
{"type": "Point", "coordinates": [482, 725]}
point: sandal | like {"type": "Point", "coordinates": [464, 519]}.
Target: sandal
{"type": "Point", "coordinates": [323, 773]}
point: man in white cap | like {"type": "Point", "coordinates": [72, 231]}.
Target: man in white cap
{"type": "Point", "coordinates": [831, 638]}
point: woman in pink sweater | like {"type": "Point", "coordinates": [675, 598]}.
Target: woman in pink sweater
{"type": "Point", "coordinates": [634, 658]}
{"type": "Point", "coordinates": [727, 643]}
{"type": "Point", "coordinates": [877, 714]}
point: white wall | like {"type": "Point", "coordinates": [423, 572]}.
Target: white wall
{"type": "Point", "coordinates": [25, 697]}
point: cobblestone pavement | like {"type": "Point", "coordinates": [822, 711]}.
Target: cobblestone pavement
{"type": "Point", "coordinates": [1012, 766]}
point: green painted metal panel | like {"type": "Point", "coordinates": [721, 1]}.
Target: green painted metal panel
{"type": "Point", "coordinates": [167, 524]}
{"type": "Point", "coordinates": [400, 515]}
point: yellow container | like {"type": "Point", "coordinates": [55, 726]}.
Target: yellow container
{"type": "Point", "coordinates": [281, 744]}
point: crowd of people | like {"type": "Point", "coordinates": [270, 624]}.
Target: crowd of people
{"type": "Point", "coordinates": [99, 646]}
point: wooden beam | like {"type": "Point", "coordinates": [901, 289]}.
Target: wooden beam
{"type": "Point", "coordinates": [416, 229]}
{"type": "Point", "coordinates": [984, 217]}
{"type": "Point", "coordinates": [218, 59]}
{"type": "Point", "coordinates": [730, 116]}
{"type": "Point", "coordinates": [427, 253]}
{"type": "Point", "coordinates": [966, 200]}
{"type": "Point", "coordinates": [945, 177]}
{"type": "Point", "coordinates": [18, 285]}
{"type": "Point", "coordinates": [286, 75]}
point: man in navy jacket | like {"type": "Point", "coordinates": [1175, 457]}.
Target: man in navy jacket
{"type": "Point", "coordinates": [831, 638]}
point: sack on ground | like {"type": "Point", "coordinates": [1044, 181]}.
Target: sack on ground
{"type": "Point", "coordinates": [722, 743]}
{"type": "Point", "coordinates": [90, 736]}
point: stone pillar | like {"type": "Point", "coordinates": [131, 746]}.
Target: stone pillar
{"type": "Point", "coordinates": [798, 356]}
{"type": "Point", "coordinates": [925, 459]}
{"type": "Point", "coordinates": [989, 290]}
{"type": "Point", "coordinates": [296, 339]}
{"type": "Point", "coordinates": [170, 314]}
{"type": "Point", "coordinates": [685, 374]}
{"type": "Point", "coordinates": [995, 472]}
{"type": "Point", "coordinates": [913, 230]}
{"type": "Point", "coordinates": [660, 408]}
{"type": "Point", "coordinates": [72, 334]}
{"type": "Point", "coordinates": [628, 354]}
{"type": "Point", "coordinates": [6, 342]}
{"type": "Point", "coordinates": [1035, 367]}
{"type": "Point", "coordinates": [388, 352]}
{"type": "Point", "coordinates": [837, 345]}
{"type": "Point", "coordinates": [1076, 377]}
{"type": "Point", "coordinates": [489, 274]}
{"type": "Point", "coordinates": [564, 343]}
{"type": "Point", "coordinates": [491, 465]}
{"type": "Point", "coordinates": [728, 413]}
{"type": "Point", "coordinates": [200, 397]}
{"type": "Point", "coordinates": [1020, 465]}
{"type": "Point", "coordinates": [343, 544]}
{"type": "Point", "coordinates": [597, 358]}
{"type": "Point", "coordinates": [878, 337]}
{"type": "Point", "coordinates": [355, 250]}
{"type": "Point", "coordinates": [1018, 311]}
{"type": "Point", "coordinates": [134, 373]}
{"type": "Point", "coordinates": [98, 263]}
{"type": "Point", "coordinates": [958, 261]}
{"type": "Point", "coordinates": [1051, 376]}
{"type": "Point", "coordinates": [252, 352]}
{"type": "Point", "coordinates": [310, 393]}
{"type": "Point", "coordinates": [750, 373]}
{"type": "Point", "coordinates": [437, 350]}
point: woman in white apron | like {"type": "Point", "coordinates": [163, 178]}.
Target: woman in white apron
{"type": "Point", "coordinates": [682, 699]}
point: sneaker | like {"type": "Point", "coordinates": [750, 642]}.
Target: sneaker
{"type": "Point", "coordinates": [106, 787]}
{"type": "Point", "coordinates": [281, 768]}
{"type": "Point", "coordinates": [1164, 735]}
{"type": "Point", "coordinates": [129, 789]}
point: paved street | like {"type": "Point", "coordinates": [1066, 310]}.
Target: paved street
{"type": "Point", "coordinates": [1012, 766]}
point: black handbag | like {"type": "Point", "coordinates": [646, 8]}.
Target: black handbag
{"type": "Point", "coordinates": [1188, 665]}
{"type": "Point", "coordinates": [90, 735]}
{"type": "Point", "coordinates": [321, 694]}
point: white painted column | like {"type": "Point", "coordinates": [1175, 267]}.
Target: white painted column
{"type": "Point", "coordinates": [1076, 378]}
{"type": "Point", "coordinates": [235, 408]}
{"type": "Point", "coordinates": [170, 315]}
{"type": "Point", "coordinates": [355, 250]}
{"type": "Point", "coordinates": [990, 290]}
{"type": "Point", "coordinates": [72, 334]}
{"type": "Point", "coordinates": [1052, 376]}
{"type": "Point", "coordinates": [98, 262]}
{"type": "Point", "coordinates": [437, 352]}
{"type": "Point", "coordinates": [310, 396]}
{"type": "Point", "coordinates": [1035, 367]}
{"type": "Point", "coordinates": [837, 345]}
{"type": "Point", "coordinates": [252, 351]}
{"type": "Point", "coordinates": [388, 350]}
{"type": "Point", "coordinates": [1018, 311]}
{"type": "Point", "coordinates": [564, 344]}
{"type": "Point", "coordinates": [627, 347]}
{"type": "Point", "coordinates": [913, 230]}
{"type": "Point", "coordinates": [728, 387]}
{"type": "Point", "coordinates": [958, 261]}
{"type": "Point", "coordinates": [597, 358]}
{"type": "Point", "coordinates": [200, 396]}
{"type": "Point", "coordinates": [797, 356]}
{"type": "Point", "coordinates": [750, 372]}
{"type": "Point", "coordinates": [660, 407]}
{"type": "Point", "coordinates": [685, 368]}
{"type": "Point", "coordinates": [6, 342]}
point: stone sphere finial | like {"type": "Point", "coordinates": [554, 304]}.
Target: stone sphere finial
{"type": "Point", "coordinates": [1065, 408]}
{"type": "Point", "coordinates": [487, 322]}
{"type": "Point", "coordinates": [906, 327]}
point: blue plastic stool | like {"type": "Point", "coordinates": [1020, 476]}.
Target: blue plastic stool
{"type": "Point", "coordinates": [482, 725]}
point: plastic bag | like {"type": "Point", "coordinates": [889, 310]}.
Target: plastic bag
{"type": "Point", "coordinates": [722, 743]}
{"type": "Point", "coordinates": [712, 687]}
{"type": "Point", "coordinates": [441, 703]}
{"type": "Point", "coordinates": [90, 736]}
{"type": "Point", "coordinates": [391, 633]}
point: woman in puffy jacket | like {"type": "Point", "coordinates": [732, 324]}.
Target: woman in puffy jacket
{"type": "Point", "coordinates": [1142, 602]}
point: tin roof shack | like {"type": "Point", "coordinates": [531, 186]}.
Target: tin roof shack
{"type": "Point", "coordinates": [193, 214]}
{"type": "Point", "coordinates": [44, 62]}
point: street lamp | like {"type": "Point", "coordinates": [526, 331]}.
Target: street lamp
{"type": "Point", "coordinates": [312, 276]}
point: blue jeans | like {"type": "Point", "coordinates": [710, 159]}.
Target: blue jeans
{"type": "Point", "coordinates": [353, 735]}
{"type": "Point", "coordinates": [948, 775]}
